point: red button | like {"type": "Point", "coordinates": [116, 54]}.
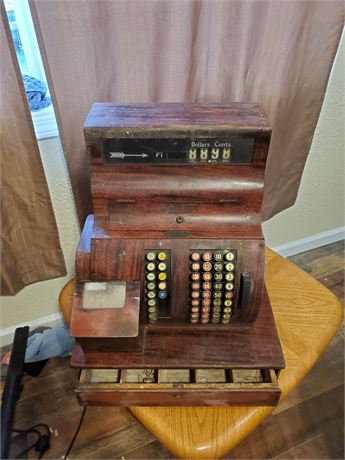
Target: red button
{"type": "Point", "coordinates": [207, 256]}
{"type": "Point", "coordinates": [195, 266]}
{"type": "Point", "coordinates": [206, 286]}
{"type": "Point", "coordinates": [207, 276]}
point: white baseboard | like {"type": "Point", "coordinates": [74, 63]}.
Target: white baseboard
{"type": "Point", "coordinates": [310, 242]}
{"type": "Point", "coordinates": [285, 250]}
{"type": "Point", "coordinates": [55, 320]}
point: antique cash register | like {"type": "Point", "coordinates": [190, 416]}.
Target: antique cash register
{"type": "Point", "coordinates": [170, 305]}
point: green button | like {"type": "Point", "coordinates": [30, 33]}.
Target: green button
{"type": "Point", "coordinates": [218, 267]}
{"type": "Point", "coordinates": [150, 256]}
{"type": "Point", "coordinates": [151, 302]}
{"type": "Point", "coordinates": [150, 267]}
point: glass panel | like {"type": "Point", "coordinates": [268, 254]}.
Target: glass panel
{"type": "Point", "coordinates": [16, 35]}
{"type": "Point", "coordinates": [104, 295]}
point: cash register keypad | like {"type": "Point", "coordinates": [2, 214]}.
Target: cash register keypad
{"type": "Point", "coordinates": [157, 283]}
{"type": "Point", "coordinates": [212, 283]}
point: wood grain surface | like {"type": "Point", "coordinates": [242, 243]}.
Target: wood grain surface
{"type": "Point", "coordinates": [179, 207]}
{"type": "Point", "coordinates": [182, 347]}
{"type": "Point", "coordinates": [111, 120]}
{"type": "Point", "coordinates": [307, 424]}
{"type": "Point", "coordinates": [307, 316]}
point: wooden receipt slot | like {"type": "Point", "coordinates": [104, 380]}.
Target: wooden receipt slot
{"type": "Point", "coordinates": [170, 305]}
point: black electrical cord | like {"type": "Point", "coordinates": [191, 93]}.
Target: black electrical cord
{"type": "Point", "coordinates": [75, 434]}
{"type": "Point", "coordinates": [42, 442]}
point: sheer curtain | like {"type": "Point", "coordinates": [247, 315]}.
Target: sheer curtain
{"type": "Point", "coordinates": [30, 247]}
{"type": "Point", "coordinates": [276, 53]}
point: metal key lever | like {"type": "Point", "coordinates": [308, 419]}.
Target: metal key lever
{"type": "Point", "coordinates": [245, 288]}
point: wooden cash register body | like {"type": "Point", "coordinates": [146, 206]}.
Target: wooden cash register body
{"type": "Point", "coordinates": [144, 203]}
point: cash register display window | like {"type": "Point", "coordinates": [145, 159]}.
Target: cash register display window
{"type": "Point", "coordinates": [104, 295]}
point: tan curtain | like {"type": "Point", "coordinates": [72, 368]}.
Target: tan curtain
{"type": "Point", "coordinates": [276, 53]}
{"type": "Point", "coordinates": [30, 248]}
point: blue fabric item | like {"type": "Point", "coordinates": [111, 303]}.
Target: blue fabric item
{"type": "Point", "coordinates": [36, 91]}
{"type": "Point", "coordinates": [49, 344]}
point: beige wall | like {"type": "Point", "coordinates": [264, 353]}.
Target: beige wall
{"type": "Point", "coordinates": [319, 206]}
{"type": "Point", "coordinates": [320, 203]}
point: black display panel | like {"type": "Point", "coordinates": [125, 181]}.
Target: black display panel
{"type": "Point", "coordinates": [178, 151]}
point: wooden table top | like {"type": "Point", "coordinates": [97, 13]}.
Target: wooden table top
{"type": "Point", "coordinates": [307, 316]}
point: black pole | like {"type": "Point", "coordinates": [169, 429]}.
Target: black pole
{"type": "Point", "coordinates": [12, 387]}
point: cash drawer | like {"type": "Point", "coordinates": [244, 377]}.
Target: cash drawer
{"type": "Point", "coordinates": [169, 387]}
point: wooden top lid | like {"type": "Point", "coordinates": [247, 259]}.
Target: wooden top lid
{"type": "Point", "coordinates": [129, 120]}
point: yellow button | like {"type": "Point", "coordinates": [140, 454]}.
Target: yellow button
{"type": "Point", "coordinates": [229, 256]}
{"type": "Point", "coordinates": [227, 303]}
{"type": "Point", "coordinates": [229, 267]}
{"type": "Point", "coordinates": [229, 286]}
{"type": "Point", "coordinates": [229, 276]}
{"type": "Point", "coordinates": [162, 256]}
{"type": "Point", "coordinates": [162, 286]}
{"type": "Point", "coordinates": [162, 276]}
{"type": "Point", "coordinates": [162, 266]}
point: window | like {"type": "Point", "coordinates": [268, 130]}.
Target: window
{"type": "Point", "coordinates": [31, 67]}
